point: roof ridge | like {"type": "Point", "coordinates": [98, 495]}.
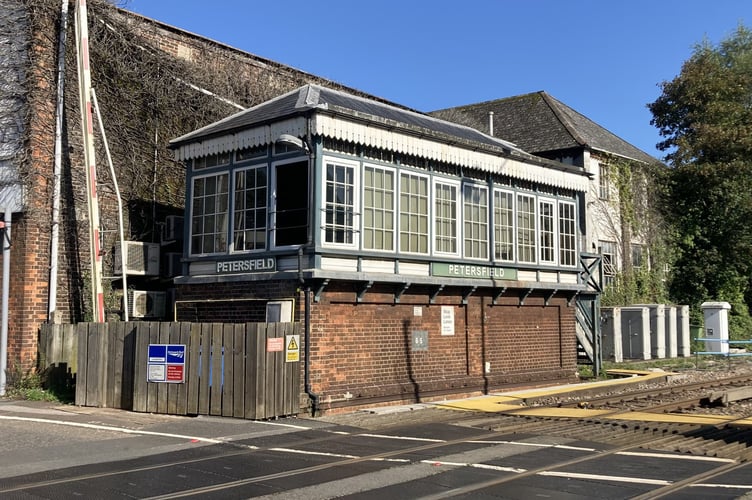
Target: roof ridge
{"type": "Point", "coordinates": [555, 107]}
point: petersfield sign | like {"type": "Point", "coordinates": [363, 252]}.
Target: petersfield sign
{"type": "Point", "coordinates": [247, 265]}
{"type": "Point", "coordinates": [472, 271]}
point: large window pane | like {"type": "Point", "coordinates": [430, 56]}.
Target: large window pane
{"type": "Point", "coordinates": [209, 214]}
{"type": "Point", "coordinates": [378, 208]}
{"type": "Point", "coordinates": [445, 218]}
{"type": "Point", "coordinates": [340, 204]}
{"type": "Point", "coordinates": [475, 209]}
{"type": "Point", "coordinates": [504, 226]}
{"type": "Point", "coordinates": [526, 228]}
{"type": "Point", "coordinates": [547, 232]}
{"type": "Point", "coordinates": [249, 228]}
{"type": "Point", "coordinates": [413, 229]}
{"type": "Point", "coordinates": [567, 240]}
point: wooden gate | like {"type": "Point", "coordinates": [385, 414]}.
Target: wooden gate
{"type": "Point", "coordinates": [231, 370]}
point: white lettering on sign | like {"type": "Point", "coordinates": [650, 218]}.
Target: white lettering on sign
{"type": "Point", "coordinates": [247, 265]}
{"type": "Point", "coordinates": [475, 271]}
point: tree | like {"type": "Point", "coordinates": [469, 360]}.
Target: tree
{"type": "Point", "coordinates": [705, 117]}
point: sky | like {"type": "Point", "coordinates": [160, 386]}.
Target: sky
{"type": "Point", "coordinates": [605, 59]}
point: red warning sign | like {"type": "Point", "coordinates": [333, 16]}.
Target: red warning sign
{"type": "Point", "coordinates": [175, 373]}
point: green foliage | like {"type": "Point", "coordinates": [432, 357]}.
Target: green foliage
{"type": "Point", "coordinates": [639, 190]}
{"type": "Point", "coordinates": [705, 117]}
{"type": "Point", "coordinates": [27, 385]}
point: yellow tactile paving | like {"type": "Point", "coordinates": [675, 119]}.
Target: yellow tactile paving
{"type": "Point", "coordinates": [513, 402]}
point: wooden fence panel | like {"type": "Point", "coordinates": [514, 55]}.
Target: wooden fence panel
{"type": "Point", "coordinates": [193, 369]}
{"type": "Point", "coordinates": [233, 370]}
{"type": "Point", "coordinates": [239, 370]}
{"type": "Point", "coordinates": [163, 336]}
{"type": "Point", "coordinates": [252, 372]}
{"type": "Point", "coordinates": [141, 354]}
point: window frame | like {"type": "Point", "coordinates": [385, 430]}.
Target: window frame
{"type": "Point", "coordinates": [393, 209]}
{"type": "Point", "coordinates": [354, 206]}
{"type": "Point", "coordinates": [604, 182]}
{"type": "Point", "coordinates": [226, 212]}
{"type": "Point", "coordinates": [234, 206]}
{"type": "Point", "coordinates": [610, 264]}
{"type": "Point", "coordinates": [572, 252]}
{"type": "Point", "coordinates": [532, 232]}
{"type": "Point", "coordinates": [554, 232]}
{"type": "Point", "coordinates": [427, 216]}
{"type": "Point", "coordinates": [512, 228]}
{"type": "Point", "coordinates": [483, 243]}
{"type": "Point", "coordinates": [457, 186]}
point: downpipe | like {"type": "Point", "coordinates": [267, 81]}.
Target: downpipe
{"type": "Point", "coordinates": [314, 397]}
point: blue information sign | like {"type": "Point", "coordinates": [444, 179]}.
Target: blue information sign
{"type": "Point", "coordinates": [166, 363]}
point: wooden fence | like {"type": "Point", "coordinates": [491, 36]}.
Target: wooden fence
{"type": "Point", "coordinates": [231, 370]}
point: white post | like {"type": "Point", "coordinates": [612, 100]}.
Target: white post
{"type": "Point", "coordinates": [6, 294]}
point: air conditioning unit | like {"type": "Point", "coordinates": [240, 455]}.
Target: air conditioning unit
{"type": "Point", "coordinates": [142, 258]}
{"type": "Point", "coordinates": [172, 265]}
{"type": "Point", "coordinates": [173, 228]}
{"type": "Point", "coordinates": [147, 304]}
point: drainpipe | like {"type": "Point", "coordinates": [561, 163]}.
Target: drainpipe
{"type": "Point", "coordinates": [5, 296]}
{"type": "Point", "coordinates": [57, 169]}
{"type": "Point", "coordinates": [314, 397]}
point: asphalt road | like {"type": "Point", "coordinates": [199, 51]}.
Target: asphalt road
{"type": "Point", "coordinates": [406, 452]}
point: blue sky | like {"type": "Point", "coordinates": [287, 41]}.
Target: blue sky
{"type": "Point", "coordinates": [604, 59]}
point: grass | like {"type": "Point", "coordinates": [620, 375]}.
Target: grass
{"type": "Point", "coordinates": [32, 386]}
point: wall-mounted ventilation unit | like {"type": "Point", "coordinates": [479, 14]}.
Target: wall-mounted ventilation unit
{"type": "Point", "coordinates": [142, 259]}
{"type": "Point", "coordinates": [147, 304]}
{"type": "Point", "coordinates": [172, 265]}
{"type": "Point", "coordinates": [279, 311]}
{"type": "Point", "coordinates": [173, 228]}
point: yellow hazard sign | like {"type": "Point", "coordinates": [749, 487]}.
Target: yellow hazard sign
{"type": "Point", "coordinates": [292, 349]}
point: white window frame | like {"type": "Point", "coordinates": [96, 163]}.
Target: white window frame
{"type": "Point", "coordinates": [531, 232]}
{"type": "Point", "coordinates": [204, 214]}
{"type": "Point", "coordinates": [412, 231]}
{"type": "Point", "coordinates": [604, 181]}
{"type": "Point", "coordinates": [437, 219]}
{"type": "Point", "coordinates": [234, 206]}
{"type": "Point", "coordinates": [608, 250]}
{"type": "Point", "coordinates": [393, 209]}
{"type": "Point", "coordinates": [355, 205]}
{"type": "Point", "coordinates": [565, 251]}
{"type": "Point", "coordinates": [485, 224]}
{"type": "Point", "coordinates": [497, 227]}
{"type": "Point", "coordinates": [554, 221]}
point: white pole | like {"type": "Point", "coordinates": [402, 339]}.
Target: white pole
{"type": "Point", "coordinates": [123, 255]}
{"type": "Point", "coordinates": [55, 237]}
{"type": "Point", "coordinates": [6, 294]}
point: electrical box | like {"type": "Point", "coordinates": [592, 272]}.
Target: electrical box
{"type": "Point", "coordinates": [142, 259]}
{"type": "Point", "coordinates": [716, 326]}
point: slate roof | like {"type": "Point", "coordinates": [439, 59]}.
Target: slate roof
{"type": "Point", "coordinates": [315, 97]}
{"type": "Point", "coordinates": [538, 123]}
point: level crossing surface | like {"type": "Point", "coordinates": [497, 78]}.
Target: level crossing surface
{"type": "Point", "coordinates": [418, 451]}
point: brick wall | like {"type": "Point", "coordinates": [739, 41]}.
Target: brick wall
{"type": "Point", "coordinates": [362, 351]}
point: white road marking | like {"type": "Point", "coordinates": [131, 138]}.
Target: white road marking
{"type": "Point", "coordinates": [678, 457]}
{"type": "Point", "coordinates": [600, 477]}
{"type": "Point", "coordinates": [115, 429]}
